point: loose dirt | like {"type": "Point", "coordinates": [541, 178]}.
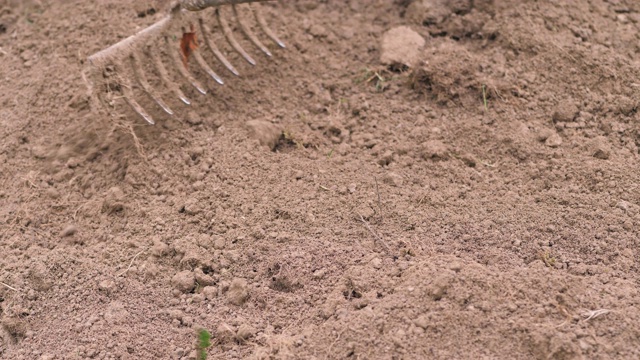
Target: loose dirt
{"type": "Point", "coordinates": [480, 202]}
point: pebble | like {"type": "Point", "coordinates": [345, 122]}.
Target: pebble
{"type": "Point", "coordinates": [553, 141]}
{"type": "Point", "coordinates": [566, 111]}
{"type": "Point", "coordinates": [435, 150]}
{"type": "Point", "coordinates": [69, 230]}
{"type": "Point", "coordinates": [265, 132]}
{"type": "Point", "coordinates": [599, 148]}
{"type": "Point", "coordinates": [422, 321]}
{"type": "Point", "coordinates": [393, 179]}
{"type": "Point", "coordinates": [107, 285]}
{"type": "Point", "coordinates": [225, 333]}
{"type": "Point", "coordinates": [245, 332]}
{"type": "Point", "coordinates": [210, 292]}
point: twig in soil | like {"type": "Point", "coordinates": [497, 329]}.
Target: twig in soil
{"type": "Point", "coordinates": [375, 235]}
{"type": "Point", "coordinates": [131, 263]}
{"type": "Point", "coordinates": [9, 287]}
{"type": "Point", "coordinates": [592, 314]}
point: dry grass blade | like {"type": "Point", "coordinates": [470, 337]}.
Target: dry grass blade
{"type": "Point", "coordinates": [592, 314]}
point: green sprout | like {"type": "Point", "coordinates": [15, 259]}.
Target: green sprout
{"type": "Point", "coordinates": [204, 341]}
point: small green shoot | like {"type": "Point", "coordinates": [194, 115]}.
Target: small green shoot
{"type": "Point", "coordinates": [204, 341]}
{"type": "Point", "coordinates": [330, 153]}
{"type": "Point", "coordinates": [371, 76]}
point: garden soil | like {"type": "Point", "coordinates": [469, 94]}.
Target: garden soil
{"type": "Point", "coordinates": [420, 179]}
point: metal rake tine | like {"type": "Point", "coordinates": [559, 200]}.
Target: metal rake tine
{"type": "Point", "coordinates": [144, 83]}
{"type": "Point", "coordinates": [164, 75]}
{"type": "Point", "coordinates": [128, 97]}
{"type": "Point", "coordinates": [203, 64]}
{"type": "Point", "coordinates": [205, 30]}
{"type": "Point", "coordinates": [265, 27]}
{"type": "Point", "coordinates": [184, 72]}
{"type": "Point", "coordinates": [249, 33]}
{"type": "Point", "coordinates": [231, 39]}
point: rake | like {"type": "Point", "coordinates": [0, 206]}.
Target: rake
{"type": "Point", "coordinates": [146, 44]}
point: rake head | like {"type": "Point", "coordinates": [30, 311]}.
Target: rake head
{"type": "Point", "coordinates": [109, 65]}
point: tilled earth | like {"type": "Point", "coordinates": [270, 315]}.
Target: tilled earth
{"type": "Point", "coordinates": [475, 196]}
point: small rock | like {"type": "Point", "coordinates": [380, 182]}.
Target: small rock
{"type": "Point", "coordinates": [422, 321]}
{"type": "Point", "coordinates": [210, 292]}
{"type": "Point", "coordinates": [401, 46]}
{"type": "Point", "coordinates": [178, 353]}
{"type": "Point", "coordinates": [599, 148]}
{"type": "Point", "coordinates": [468, 160]}
{"type": "Point", "coordinates": [439, 287]}
{"type": "Point", "coordinates": [159, 249]}
{"type": "Point", "coordinates": [376, 263]}
{"type": "Point", "coordinates": [184, 281]}
{"type": "Point", "coordinates": [219, 243]}
{"type": "Point", "coordinates": [393, 179]}
{"type": "Point", "coordinates": [238, 292]}
{"type": "Point", "coordinates": [426, 12]}
{"type": "Point", "coordinates": [544, 134]}
{"type": "Point", "coordinates": [15, 327]}
{"type": "Point", "coordinates": [225, 333]}
{"type": "Point", "coordinates": [386, 158]}
{"type": "Point", "coordinates": [192, 207]}
{"type": "Point", "coordinates": [435, 150]}
{"type": "Point", "coordinates": [73, 163]}
{"type": "Point", "coordinates": [39, 152]}
{"type": "Point", "coordinates": [113, 200]}
{"type": "Point", "coordinates": [193, 118]}
{"type": "Point", "coordinates": [69, 230]}
{"type": "Point", "coordinates": [318, 31]}
{"type": "Point", "coordinates": [351, 188]}
{"type": "Point", "coordinates": [116, 313]}
{"type": "Point", "coordinates": [319, 274]}
{"type": "Point", "coordinates": [265, 132]}
{"type": "Point", "coordinates": [245, 332]}
{"type": "Point", "coordinates": [53, 193]}
{"type": "Point", "coordinates": [553, 141]}
{"type": "Point", "coordinates": [107, 285]}
{"type": "Point", "coordinates": [203, 279]}
{"type": "Point", "coordinates": [566, 111]}
{"type": "Point", "coordinates": [364, 211]}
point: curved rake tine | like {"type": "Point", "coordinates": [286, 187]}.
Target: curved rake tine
{"type": "Point", "coordinates": [231, 39]}
{"type": "Point", "coordinates": [144, 83]}
{"type": "Point", "coordinates": [265, 27]}
{"type": "Point", "coordinates": [164, 75]}
{"type": "Point", "coordinates": [205, 30]}
{"type": "Point", "coordinates": [186, 74]}
{"type": "Point", "coordinates": [128, 97]}
{"type": "Point", "coordinates": [203, 64]}
{"type": "Point", "coordinates": [249, 33]}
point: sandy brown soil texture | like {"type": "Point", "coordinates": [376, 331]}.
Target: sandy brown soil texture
{"type": "Point", "coordinates": [476, 199]}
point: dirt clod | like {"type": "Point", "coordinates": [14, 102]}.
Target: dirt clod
{"type": "Point", "coordinates": [402, 46]}
{"type": "Point", "coordinates": [265, 132]}
{"type": "Point", "coordinates": [238, 292]}
{"type": "Point", "coordinates": [184, 281]}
